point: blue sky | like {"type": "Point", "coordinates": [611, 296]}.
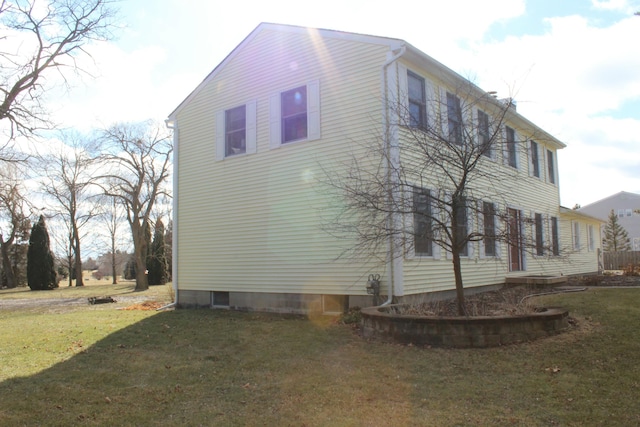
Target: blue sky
{"type": "Point", "coordinates": [573, 66]}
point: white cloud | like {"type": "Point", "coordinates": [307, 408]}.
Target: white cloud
{"type": "Point", "coordinates": [619, 5]}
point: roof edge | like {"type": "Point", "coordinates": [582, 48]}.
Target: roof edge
{"type": "Point", "coordinates": [362, 38]}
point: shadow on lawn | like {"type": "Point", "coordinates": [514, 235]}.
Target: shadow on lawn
{"type": "Point", "coordinates": [207, 367]}
{"type": "Point", "coordinates": [188, 366]}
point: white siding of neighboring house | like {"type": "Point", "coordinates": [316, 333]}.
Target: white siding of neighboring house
{"type": "Point", "coordinates": [252, 223]}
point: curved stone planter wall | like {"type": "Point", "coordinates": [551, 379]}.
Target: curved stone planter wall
{"type": "Point", "coordinates": [462, 332]}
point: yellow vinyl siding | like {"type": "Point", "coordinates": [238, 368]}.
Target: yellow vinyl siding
{"type": "Point", "coordinates": [518, 190]}
{"type": "Point", "coordinates": [253, 222]}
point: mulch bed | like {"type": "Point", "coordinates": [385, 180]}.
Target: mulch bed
{"type": "Point", "coordinates": [604, 280]}
{"type": "Point", "coordinates": [513, 300]}
{"type": "Point", "coordinates": [507, 301]}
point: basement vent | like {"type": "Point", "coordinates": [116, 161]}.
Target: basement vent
{"type": "Point", "coordinates": [334, 304]}
{"type": "Point", "coordinates": [220, 299]}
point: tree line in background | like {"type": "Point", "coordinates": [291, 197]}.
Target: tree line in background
{"type": "Point", "coordinates": [84, 185]}
{"type": "Point", "coordinates": [90, 187]}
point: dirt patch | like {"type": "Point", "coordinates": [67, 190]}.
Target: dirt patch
{"type": "Point", "coordinates": [145, 306]}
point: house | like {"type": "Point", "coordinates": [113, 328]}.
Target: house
{"type": "Point", "coordinates": [255, 141]}
{"type": "Point", "coordinates": [626, 206]}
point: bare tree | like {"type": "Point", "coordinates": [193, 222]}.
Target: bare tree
{"type": "Point", "coordinates": [15, 223]}
{"type": "Point", "coordinates": [68, 178]}
{"type": "Point", "coordinates": [112, 219]}
{"type": "Point", "coordinates": [139, 160]}
{"type": "Point", "coordinates": [450, 160]}
{"type": "Point", "coordinates": [40, 37]}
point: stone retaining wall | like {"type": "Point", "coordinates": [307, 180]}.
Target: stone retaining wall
{"type": "Point", "coordinates": [462, 332]}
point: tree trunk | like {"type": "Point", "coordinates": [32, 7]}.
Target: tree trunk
{"type": "Point", "coordinates": [78, 257]}
{"type": "Point", "coordinates": [457, 272]}
{"type": "Point", "coordinates": [70, 267]}
{"type": "Point", "coordinates": [7, 268]}
{"type": "Point", "coordinates": [78, 268]}
{"type": "Point", "coordinates": [142, 282]}
{"type": "Point", "coordinates": [114, 281]}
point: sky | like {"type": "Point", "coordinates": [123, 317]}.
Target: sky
{"type": "Point", "coordinates": [573, 66]}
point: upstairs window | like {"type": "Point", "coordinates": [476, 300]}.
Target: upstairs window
{"type": "Point", "coordinates": [422, 222]}
{"type": "Point", "coordinates": [454, 119]}
{"type": "Point", "coordinates": [511, 152]}
{"type": "Point", "coordinates": [235, 131]}
{"type": "Point", "coordinates": [293, 104]}
{"type": "Point", "coordinates": [535, 159]}
{"type": "Point", "coordinates": [484, 134]}
{"type": "Point", "coordinates": [417, 101]}
{"type": "Point", "coordinates": [294, 115]}
{"type": "Point", "coordinates": [552, 167]}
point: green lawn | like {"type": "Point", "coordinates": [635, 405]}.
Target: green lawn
{"type": "Point", "coordinates": [95, 365]}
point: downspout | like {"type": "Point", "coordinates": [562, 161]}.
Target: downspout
{"type": "Point", "coordinates": [387, 148]}
{"type": "Point", "coordinates": [173, 125]}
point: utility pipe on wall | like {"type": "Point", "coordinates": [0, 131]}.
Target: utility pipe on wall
{"type": "Point", "coordinates": [387, 148]}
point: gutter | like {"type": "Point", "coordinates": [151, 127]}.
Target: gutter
{"type": "Point", "coordinates": [172, 123]}
{"type": "Point", "coordinates": [387, 148]}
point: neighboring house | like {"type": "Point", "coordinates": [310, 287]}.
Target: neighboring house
{"type": "Point", "coordinates": [626, 206]}
{"type": "Point", "coordinates": [255, 139]}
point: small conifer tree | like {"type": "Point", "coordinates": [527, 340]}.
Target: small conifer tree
{"type": "Point", "coordinates": [157, 261]}
{"type": "Point", "coordinates": [130, 269]}
{"type": "Point", "coordinates": [616, 238]}
{"type": "Point", "coordinates": [41, 273]}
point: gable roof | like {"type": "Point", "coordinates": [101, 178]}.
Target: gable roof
{"type": "Point", "coordinates": [396, 47]}
{"type": "Point", "coordinates": [620, 195]}
{"type": "Point", "coordinates": [575, 213]}
{"type": "Point", "coordinates": [392, 43]}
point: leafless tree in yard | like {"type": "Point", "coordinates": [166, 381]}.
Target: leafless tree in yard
{"type": "Point", "coordinates": [67, 180]}
{"type": "Point", "coordinates": [112, 219]}
{"type": "Point", "coordinates": [14, 220]}
{"type": "Point", "coordinates": [40, 37]}
{"type": "Point", "coordinates": [454, 163]}
{"type": "Point", "coordinates": [138, 158]}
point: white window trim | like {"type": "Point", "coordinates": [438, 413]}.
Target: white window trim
{"type": "Point", "coordinates": [575, 234]}
{"type": "Point", "coordinates": [250, 129]}
{"type": "Point", "coordinates": [313, 115]}
{"type": "Point", "coordinates": [431, 110]}
{"type": "Point", "coordinates": [591, 245]}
